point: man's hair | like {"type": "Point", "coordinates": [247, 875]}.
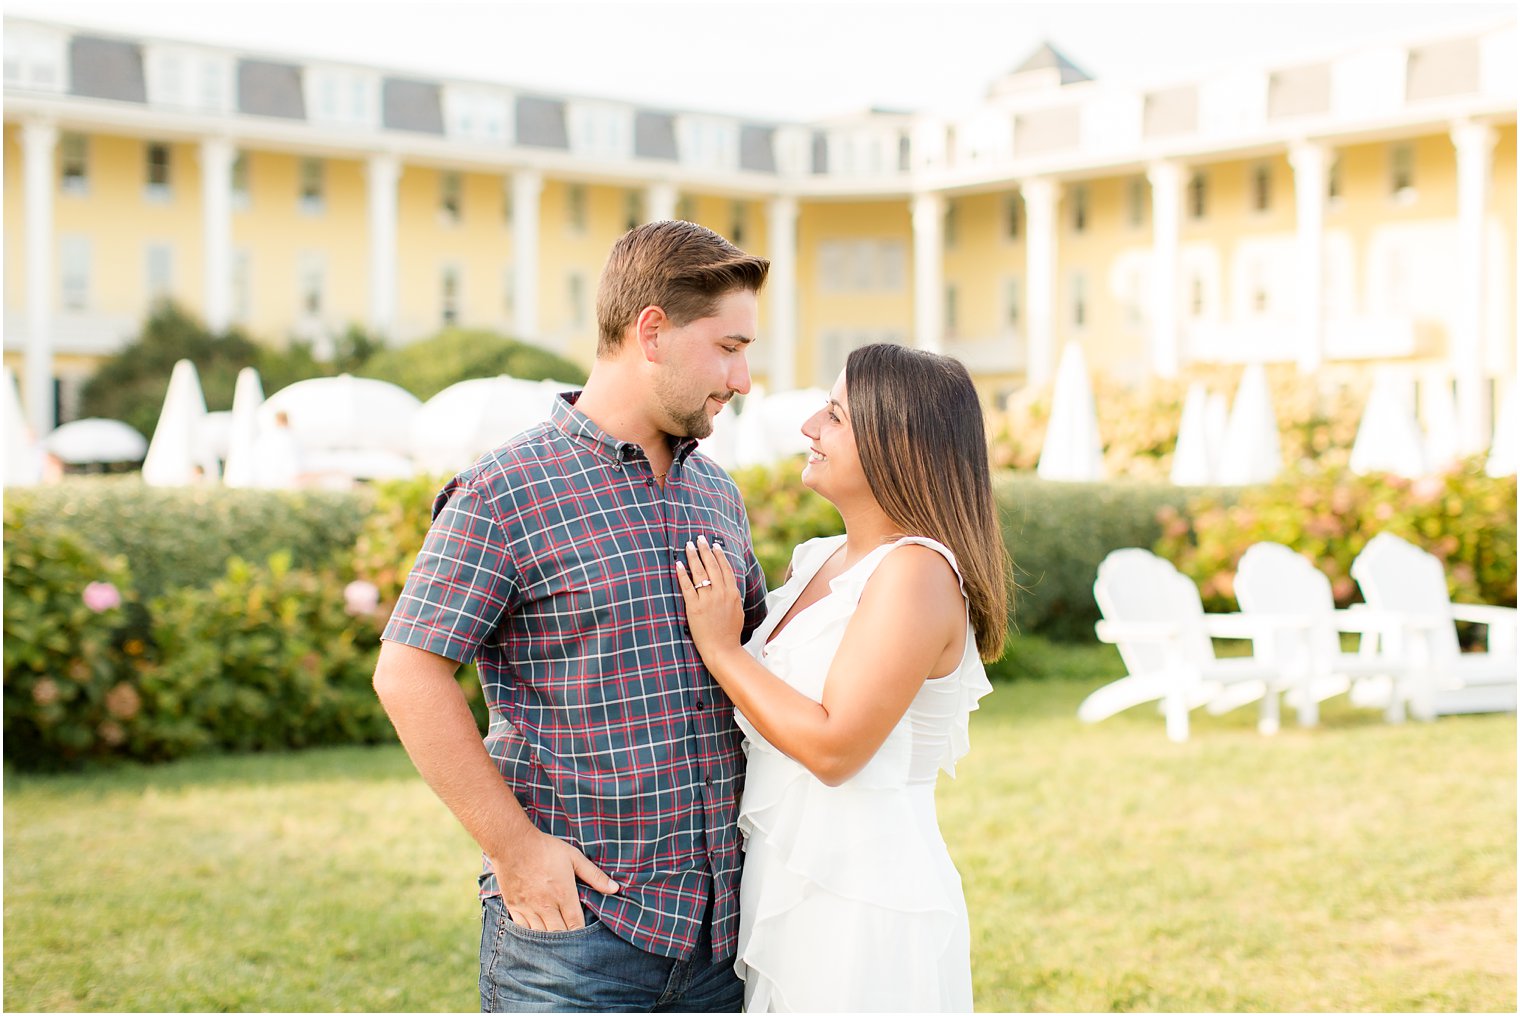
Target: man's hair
{"type": "Point", "coordinates": [680, 267]}
{"type": "Point", "coordinates": [923, 447]}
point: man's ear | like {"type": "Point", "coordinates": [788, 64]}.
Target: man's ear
{"type": "Point", "coordinates": [646, 331]}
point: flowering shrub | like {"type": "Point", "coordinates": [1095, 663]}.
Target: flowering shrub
{"type": "Point", "coordinates": [783, 513]}
{"type": "Point", "coordinates": [1463, 517]}
{"type": "Point", "coordinates": [70, 647]}
{"type": "Point", "coordinates": [1317, 419]}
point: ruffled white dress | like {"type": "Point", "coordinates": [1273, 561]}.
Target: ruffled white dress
{"type": "Point", "coordinates": [850, 901]}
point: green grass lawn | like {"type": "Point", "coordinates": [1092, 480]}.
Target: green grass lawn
{"type": "Point", "coordinates": [1356, 866]}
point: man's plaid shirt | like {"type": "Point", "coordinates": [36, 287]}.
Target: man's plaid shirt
{"type": "Point", "coordinates": [551, 563]}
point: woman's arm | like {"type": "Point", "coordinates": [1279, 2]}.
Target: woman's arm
{"type": "Point", "coordinates": [910, 612]}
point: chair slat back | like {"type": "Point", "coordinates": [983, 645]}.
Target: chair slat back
{"type": "Point", "coordinates": [1134, 585]}
{"type": "Point", "coordinates": [1395, 575]}
{"type": "Point", "coordinates": [1273, 579]}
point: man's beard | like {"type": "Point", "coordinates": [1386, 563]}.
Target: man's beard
{"type": "Point", "coordinates": [685, 422]}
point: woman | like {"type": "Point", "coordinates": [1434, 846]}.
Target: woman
{"type": "Point", "coordinates": [856, 691]}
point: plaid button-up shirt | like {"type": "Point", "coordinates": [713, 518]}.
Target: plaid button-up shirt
{"type": "Point", "coordinates": [551, 563]}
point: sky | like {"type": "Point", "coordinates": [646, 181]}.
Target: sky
{"type": "Point", "coordinates": [773, 61]}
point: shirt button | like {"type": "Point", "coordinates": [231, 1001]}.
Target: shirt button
{"type": "Point", "coordinates": [701, 704]}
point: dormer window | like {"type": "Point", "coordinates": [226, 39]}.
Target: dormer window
{"type": "Point", "coordinates": [186, 78]}
{"type": "Point", "coordinates": [35, 58]}
{"type": "Point", "coordinates": [601, 131]}
{"type": "Point", "coordinates": [342, 97]}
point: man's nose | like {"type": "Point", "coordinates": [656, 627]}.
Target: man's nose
{"type": "Point", "coordinates": [738, 376]}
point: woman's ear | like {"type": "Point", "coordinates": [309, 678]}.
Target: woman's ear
{"type": "Point", "coordinates": [646, 329]}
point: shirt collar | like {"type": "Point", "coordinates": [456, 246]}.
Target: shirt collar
{"type": "Point", "coordinates": [582, 428]}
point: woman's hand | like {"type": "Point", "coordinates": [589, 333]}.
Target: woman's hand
{"type": "Point", "coordinates": [714, 608]}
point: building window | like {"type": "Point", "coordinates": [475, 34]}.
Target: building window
{"type": "Point", "coordinates": [600, 131]}
{"type": "Point", "coordinates": [449, 198]}
{"type": "Point", "coordinates": [449, 301]}
{"type": "Point", "coordinates": [1013, 310]}
{"type": "Point", "coordinates": [313, 279]}
{"type": "Point", "coordinates": [904, 153]}
{"type": "Point", "coordinates": [1079, 301]}
{"type": "Point", "coordinates": [575, 199]}
{"type": "Point", "coordinates": [1261, 188]}
{"type": "Point", "coordinates": [950, 227]}
{"type": "Point", "coordinates": [1011, 216]}
{"type": "Point", "coordinates": [240, 199]}
{"type": "Point", "coordinates": [1333, 179]}
{"type": "Point", "coordinates": [74, 159]}
{"type": "Point", "coordinates": [158, 171]}
{"type": "Point", "coordinates": [952, 311]}
{"type": "Point", "coordinates": [1135, 201]}
{"type": "Point", "coordinates": [1079, 208]}
{"type": "Point", "coordinates": [158, 273]}
{"type": "Point", "coordinates": [509, 295]}
{"type": "Point", "coordinates": [1198, 195]}
{"type": "Point", "coordinates": [342, 97]}
{"type": "Point", "coordinates": [738, 215]}
{"type": "Point", "coordinates": [1401, 170]}
{"type": "Point", "coordinates": [312, 202]}
{"type": "Point", "coordinates": [633, 210]}
{"type": "Point", "coordinates": [74, 271]}
{"type": "Point", "coordinates": [575, 296]}
{"type": "Point", "coordinates": [35, 58]}
{"type": "Point", "coordinates": [241, 297]}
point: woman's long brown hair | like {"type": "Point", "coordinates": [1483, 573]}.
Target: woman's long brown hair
{"type": "Point", "coordinates": [923, 447]}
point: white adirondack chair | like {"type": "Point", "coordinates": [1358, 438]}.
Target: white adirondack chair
{"type": "Point", "coordinates": [1153, 614]}
{"type": "Point", "coordinates": [1274, 581]}
{"type": "Point", "coordinates": [1398, 578]}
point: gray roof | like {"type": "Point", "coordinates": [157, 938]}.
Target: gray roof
{"type": "Point", "coordinates": [1047, 57]}
{"type": "Point", "coordinates": [270, 89]}
{"type": "Point", "coordinates": [541, 122]}
{"type": "Point", "coordinates": [106, 69]}
{"type": "Point", "coordinates": [411, 106]}
{"type": "Point", "coordinates": [654, 135]}
{"type": "Point", "coordinates": [756, 148]}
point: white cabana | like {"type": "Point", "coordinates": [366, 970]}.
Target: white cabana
{"type": "Point", "coordinates": [1252, 448]}
{"type": "Point", "coordinates": [344, 412]}
{"type": "Point", "coordinates": [176, 454]}
{"type": "Point", "coordinates": [243, 430]}
{"type": "Point", "coordinates": [1438, 413]}
{"type": "Point", "coordinates": [1389, 438]}
{"type": "Point", "coordinates": [465, 420]}
{"type": "Point", "coordinates": [1073, 449]}
{"type": "Point", "coordinates": [96, 440]}
{"type": "Point", "coordinates": [23, 457]}
{"type": "Point", "coordinates": [1502, 455]}
{"type": "Point", "coordinates": [1193, 462]}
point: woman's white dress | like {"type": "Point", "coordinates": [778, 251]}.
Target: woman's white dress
{"type": "Point", "coordinates": [849, 900]}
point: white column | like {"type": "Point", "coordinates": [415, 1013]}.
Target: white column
{"type": "Point", "coordinates": [660, 202]}
{"type": "Point", "coordinates": [527, 187]}
{"type": "Point", "coordinates": [38, 141]}
{"type": "Point", "coordinates": [781, 284]}
{"type": "Point", "coordinates": [1310, 164]}
{"type": "Point", "coordinates": [928, 271]}
{"type": "Point", "coordinates": [1040, 199]}
{"type": "Point", "coordinates": [383, 173]}
{"type": "Point", "coordinates": [217, 155]}
{"type": "Point", "coordinates": [1475, 148]}
{"type": "Point", "coordinates": [1166, 180]}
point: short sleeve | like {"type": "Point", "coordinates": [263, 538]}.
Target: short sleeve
{"type": "Point", "coordinates": [461, 583]}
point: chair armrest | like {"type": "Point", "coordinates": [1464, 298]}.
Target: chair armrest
{"type": "Point", "coordinates": [1137, 631]}
{"type": "Point", "coordinates": [1253, 625]}
{"type": "Point", "coordinates": [1360, 617]}
{"type": "Point", "coordinates": [1483, 613]}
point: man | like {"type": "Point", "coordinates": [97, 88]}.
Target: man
{"type": "Point", "coordinates": [605, 795]}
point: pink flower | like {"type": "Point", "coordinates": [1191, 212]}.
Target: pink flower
{"type": "Point", "coordinates": [1426, 489]}
{"type": "Point", "coordinates": [361, 597]}
{"type": "Point", "coordinates": [101, 596]}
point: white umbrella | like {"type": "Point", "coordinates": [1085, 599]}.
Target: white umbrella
{"type": "Point", "coordinates": [1389, 438]}
{"type": "Point", "coordinates": [467, 419]}
{"type": "Point", "coordinates": [1438, 405]}
{"type": "Point", "coordinates": [1217, 417]}
{"type": "Point", "coordinates": [1193, 462]}
{"type": "Point", "coordinates": [175, 453]}
{"type": "Point", "coordinates": [344, 412]}
{"type": "Point", "coordinates": [23, 459]}
{"type": "Point", "coordinates": [1502, 454]}
{"type": "Point", "coordinates": [355, 464]}
{"type": "Point", "coordinates": [214, 433]}
{"type": "Point", "coordinates": [96, 440]}
{"type": "Point", "coordinates": [1252, 449]}
{"type": "Point", "coordinates": [1073, 449]}
{"type": "Point", "coordinates": [243, 432]}
{"type": "Point", "coordinates": [722, 444]}
{"type": "Point", "coordinates": [769, 426]}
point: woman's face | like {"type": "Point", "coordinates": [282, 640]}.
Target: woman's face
{"type": "Point", "coordinates": [833, 467]}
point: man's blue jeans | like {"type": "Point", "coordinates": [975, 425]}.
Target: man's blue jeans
{"type": "Point", "coordinates": [592, 970]}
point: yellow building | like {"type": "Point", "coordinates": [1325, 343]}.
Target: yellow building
{"type": "Point", "coordinates": [1358, 208]}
